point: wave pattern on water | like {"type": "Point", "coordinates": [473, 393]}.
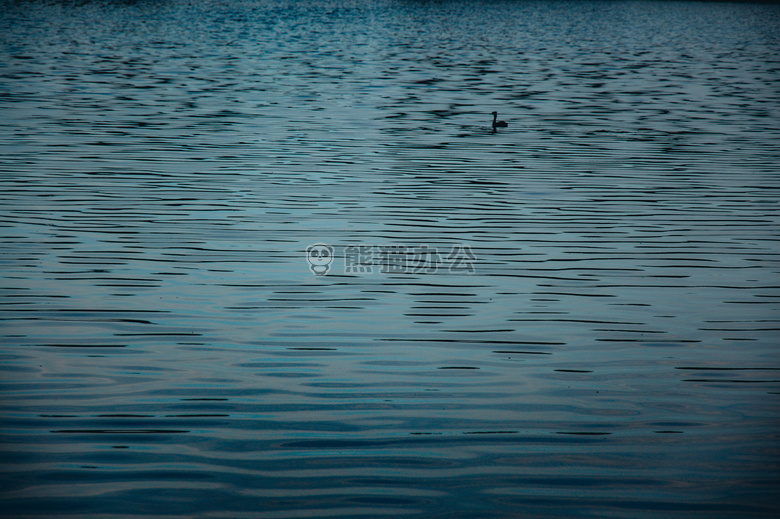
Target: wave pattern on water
{"type": "Point", "coordinates": [591, 330]}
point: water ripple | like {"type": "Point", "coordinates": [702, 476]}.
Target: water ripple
{"type": "Point", "coordinates": [573, 316]}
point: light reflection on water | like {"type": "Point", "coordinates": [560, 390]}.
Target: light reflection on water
{"type": "Point", "coordinates": [168, 351]}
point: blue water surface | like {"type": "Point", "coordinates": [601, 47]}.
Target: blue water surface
{"type": "Point", "coordinates": [572, 316]}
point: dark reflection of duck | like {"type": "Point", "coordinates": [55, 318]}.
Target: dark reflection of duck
{"type": "Point", "coordinates": [498, 124]}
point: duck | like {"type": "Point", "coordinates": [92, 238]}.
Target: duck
{"type": "Point", "coordinates": [498, 124]}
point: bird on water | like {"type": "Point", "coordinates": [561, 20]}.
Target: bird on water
{"type": "Point", "coordinates": [498, 124]}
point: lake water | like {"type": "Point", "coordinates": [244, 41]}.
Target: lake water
{"type": "Point", "coordinates": [573, 316]}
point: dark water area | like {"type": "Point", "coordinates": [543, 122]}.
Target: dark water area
{"type": "Point", "coordinates": [572, 316]}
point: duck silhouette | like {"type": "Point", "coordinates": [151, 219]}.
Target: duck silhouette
{"type": "Point", "coordinates": [498, 124]}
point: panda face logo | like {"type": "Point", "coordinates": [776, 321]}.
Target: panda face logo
{"type": "Point", "coordinates": [319, 256]}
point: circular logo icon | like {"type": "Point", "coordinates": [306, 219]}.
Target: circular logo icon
{"type": "Point", "coordinates": [319, 256]}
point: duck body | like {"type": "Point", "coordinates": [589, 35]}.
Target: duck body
{"type": "Point", "coordinates": [498, 124]}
